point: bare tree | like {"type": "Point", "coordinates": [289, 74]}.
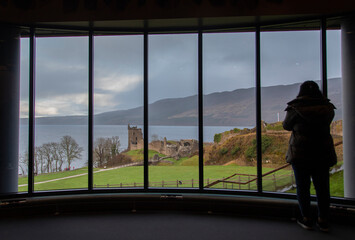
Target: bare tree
{"type": "Point", "coordinates": [39, 160]}
{"type": "Point", "coordinates": [47, 154]}
{"type": "Point", "coordinates": [113, 144]}
{"type": "Point", "coordinates": [106, 150]}
{"type": "Point", "coordinates": [58, 156]}
{"type": "Point", "coordinates": [23, 163]}
{"type": "Point", "coordinates": [99, 150]}
{"type": "Point", "coordinates": [71, 149]}
{"type": "Point", "coordinates": [50, 157]}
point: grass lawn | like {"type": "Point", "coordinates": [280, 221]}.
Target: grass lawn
{"type": "Point", "coordinates": [158, 176]}
{"type": "Point", "coordinates": [77, 182]}
{"type": "Point", "coordinates": [49, 176]}
{"type": "Point", "coordinates": [336, 185]}
{"type": "Point", "coordinates": [271, 182]}
{"type": "Point", "coordinates": [138, 155]}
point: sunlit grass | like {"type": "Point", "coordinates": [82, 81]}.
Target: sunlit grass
{"type": "Point", "coordinates": [49, 176]}
{"type": "Point", "coordinates": [158, 176]}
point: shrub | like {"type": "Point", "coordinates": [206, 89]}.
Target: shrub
{"type": "Point", "coordinates": [235, 150]}
{"type": "Point", "coordinates": [250, 152]}
{"type": "Point", "coordinates": [266, 141]}
{"type": "Point", "coordinates": [223, 151]}
{"type": "Point", "coordinates": [236, 130]}
{"type": "Point", "coordinates": [275, 126]}
{"type": "Point", "coordinates": [217, 137]}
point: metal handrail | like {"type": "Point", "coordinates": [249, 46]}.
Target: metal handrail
{"type": "Point", "coordinates": [254, 179]}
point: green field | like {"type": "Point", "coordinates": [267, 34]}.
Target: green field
{"type": "Point", "coordinates": [159, 176]}
{"type": "Point", "coordinates": [49, 176]}
{"type": "Point", "coordinates": [181, 173]}
{"type": "Point", "coordinates": [336, 185]}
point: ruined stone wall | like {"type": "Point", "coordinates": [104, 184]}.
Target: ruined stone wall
{"type": "Point", "coordinates": [176, 149]}
{"type": "Point", "coordinates": [157, 146]}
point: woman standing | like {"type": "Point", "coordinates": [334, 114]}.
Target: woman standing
{"type": "Point", "coordinates": [311, 150]}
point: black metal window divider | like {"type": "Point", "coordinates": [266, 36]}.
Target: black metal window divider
{"type": "Point", "coordinates": [258, 109]}
{"type": "Point", "coordinates": [200, 109]}
{"type": "Point", "coordinates": [146, 116]}
{"type": "Point", "coordinates": [323, 57]}
{"type": "Point", "coordinates": [91, 111]}
{"type": "Point", "coordinates": [31, 117]}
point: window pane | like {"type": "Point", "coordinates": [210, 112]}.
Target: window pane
{"type": "Point", "coordinates": [24, 107]}
{"type": "Point", "coordinates": [335, 95]}
{"type": "Point", "coordinates": [173, 121]}
{"type": "Point", "coordinates": [61, 113]}
{"type": "Point", "coordinates": [118, 101]}
{"type": "Point", "coordinates": [287, 60]}
{"type": "Point", "coordinates": [229, 111]}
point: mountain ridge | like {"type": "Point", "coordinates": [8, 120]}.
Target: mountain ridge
{"type": "Point", "coordinates": [228, 108]}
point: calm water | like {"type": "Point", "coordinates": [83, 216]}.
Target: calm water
{"type": "Point", "coordinates": [53, 133]}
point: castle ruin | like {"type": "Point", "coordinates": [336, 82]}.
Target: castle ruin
{"type": "Point", "coordinates": [176, 149]}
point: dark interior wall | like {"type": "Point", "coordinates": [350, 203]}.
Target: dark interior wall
{"type": "Point", "coordinates": [36, 11]}
{"type": "Point", "coordinates": [9, 105]}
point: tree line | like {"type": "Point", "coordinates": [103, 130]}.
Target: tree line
{"type": "Point", "coordinates": [58, 156]}
{"type": "Point", "coordinates": [53, 156]}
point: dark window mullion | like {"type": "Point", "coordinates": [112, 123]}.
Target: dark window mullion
{"type": "Point", "coordinates": [258, 109]}
{"type": "Point", "coordinates": [31, 118]}
{"type": "Point", "coordinates": [145, 96]}
{"type": "Point", "coordinates": [91, 111]}
{"type": "Point", "coordinates": [323, 44]}
{"type": "Point", "coordinates": [200, 108]}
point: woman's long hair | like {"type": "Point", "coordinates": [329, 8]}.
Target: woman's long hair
{"type": "Point", "coordinates": [310, 89]}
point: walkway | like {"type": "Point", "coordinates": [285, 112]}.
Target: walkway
{"type": "Point", "coordinates": [83, 174]}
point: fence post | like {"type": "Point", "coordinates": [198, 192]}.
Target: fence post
{"type": "Point", "coordinates": [134, 184]}
{"type": "Point", "coordinates": [177, 183]}
{"type": "Point", "coordinates": [120, 185]}
{"type": "Point", "coordinates": [192, 182]}
{"type": "Point", "coordinates": [274, 178]}
{"type": "Point", "coordinates": [108, 185]}
{"type": "Point", "coordinates": [162, 183]}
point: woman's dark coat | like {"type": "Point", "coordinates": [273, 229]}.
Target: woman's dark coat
{"type": "Point", "coordinates": [311, 143]}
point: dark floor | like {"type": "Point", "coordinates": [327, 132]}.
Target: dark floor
{"type": "Point", "coordinates": [161, 225]}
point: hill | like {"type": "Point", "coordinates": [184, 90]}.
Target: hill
{"type": "Point", "coordinates": [230, 108]}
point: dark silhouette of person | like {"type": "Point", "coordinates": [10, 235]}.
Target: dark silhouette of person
{"type": "Point", "coordinates": [311, 150]}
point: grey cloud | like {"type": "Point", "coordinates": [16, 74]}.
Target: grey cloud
{"type": "Point", "coordinates": [228, 58]}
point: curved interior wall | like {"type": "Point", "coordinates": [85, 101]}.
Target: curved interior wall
{"type": "Point", "coordinates": [9, 105]}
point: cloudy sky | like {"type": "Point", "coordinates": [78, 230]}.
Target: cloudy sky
{"type": "Point", "coordinates": [228, 58]}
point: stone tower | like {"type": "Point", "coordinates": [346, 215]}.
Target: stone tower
{"type": "Point", "coordinates": [135, 138]}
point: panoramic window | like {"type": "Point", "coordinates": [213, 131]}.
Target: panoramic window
{"type": "Point", "coordinates": [335, 95]}
{"type": "Point", "coordinates": [118, 111]}
{"type": "Point", "coordinates": [287, 60]}
{"type": "Point", "coordinates": [61, 109]}
{"type": "Point", "coordinates": [229, 111]}
{"type": "Point", "coordinates": [173, 113]}
{"type": "Point", "coordinates": [24, 112]}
